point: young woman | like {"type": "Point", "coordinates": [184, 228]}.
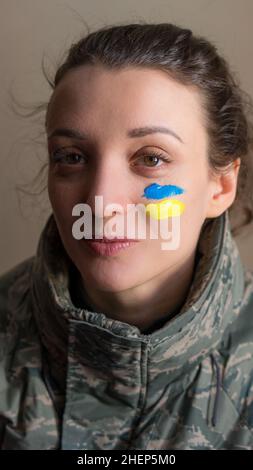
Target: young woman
{"type": "Point", "coordinates": [120, 344]}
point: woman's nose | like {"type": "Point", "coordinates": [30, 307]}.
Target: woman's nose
{"type": "Point", "coordinates": [108, 187]}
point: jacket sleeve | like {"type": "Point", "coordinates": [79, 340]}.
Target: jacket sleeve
{"type": "Point", "coordinates": [13, 284]}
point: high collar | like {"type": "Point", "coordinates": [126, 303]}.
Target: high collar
{"type": "Point", "coordinates": [186, 338]}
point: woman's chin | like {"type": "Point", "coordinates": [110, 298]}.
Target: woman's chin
{"type": "Point", "coordinates": [109, 282]}
{"type": "Point", "coordinates": [114, 273]}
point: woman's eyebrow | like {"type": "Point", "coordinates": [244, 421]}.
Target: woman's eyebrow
{"type": "Point", "coordinates": [132, 133]}
{"type": "Point", "coordinates": [142, 131]}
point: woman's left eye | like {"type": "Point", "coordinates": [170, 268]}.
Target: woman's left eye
{"type": "Point", "coordinates": [152, 158]}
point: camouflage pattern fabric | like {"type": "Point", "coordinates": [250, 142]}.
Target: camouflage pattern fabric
{"type": "Point", "coordinates": [72, 378]}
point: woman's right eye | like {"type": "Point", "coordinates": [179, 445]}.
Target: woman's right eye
{"type": "Point", "coordinates": [71, 158]}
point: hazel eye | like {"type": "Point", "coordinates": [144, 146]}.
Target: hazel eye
{"type": "Point", "coordinates": [152, 159]}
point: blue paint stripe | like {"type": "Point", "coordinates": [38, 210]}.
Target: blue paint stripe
{"type": "Point", "coordinates": [157, 191]}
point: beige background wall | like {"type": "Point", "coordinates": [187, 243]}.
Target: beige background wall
{"type": "Point", "coordinates": [29, 28]}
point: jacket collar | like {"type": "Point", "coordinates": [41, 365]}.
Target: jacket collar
{"type": "Point", "coordinates": [211, 304]}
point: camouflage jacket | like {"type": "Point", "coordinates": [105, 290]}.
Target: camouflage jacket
{"type": "Point", "coordinates": [72, 378]}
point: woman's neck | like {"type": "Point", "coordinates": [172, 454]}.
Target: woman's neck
{"type": "Point", "coordinates": [148, 305]}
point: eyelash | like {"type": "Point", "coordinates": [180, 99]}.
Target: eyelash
{"type": "Point", "coordinates": [58, 156]}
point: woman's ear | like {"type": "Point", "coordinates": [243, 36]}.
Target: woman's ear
{"type": "Point", "coordinates": [223, 188]}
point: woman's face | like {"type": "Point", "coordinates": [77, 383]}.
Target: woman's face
{"type": "Point", "coordinates": [105, 105]}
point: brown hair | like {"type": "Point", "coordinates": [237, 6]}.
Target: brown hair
{"type": "Point", "coordinates": [191, 60]}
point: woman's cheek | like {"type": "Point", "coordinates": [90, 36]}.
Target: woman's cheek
{"type": "Point", "coordinates": [62, 200]}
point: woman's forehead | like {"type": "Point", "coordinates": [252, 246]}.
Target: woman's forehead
{"type": "Point", "coordinates": [136, 96]}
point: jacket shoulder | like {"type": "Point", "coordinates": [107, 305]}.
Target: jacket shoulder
{"type": "Point", "coordinates": [14, 285]}
{"type": "Point", "coordinates": [237, 352]}
{"type": "Point", "coordinates": [243, 326]}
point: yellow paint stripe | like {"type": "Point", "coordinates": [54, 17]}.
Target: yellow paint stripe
{"type": "Point", "coordinates": [166, 208]}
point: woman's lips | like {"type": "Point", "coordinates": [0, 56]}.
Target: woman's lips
{"type": "Point", "coordinates": [107, 247]}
